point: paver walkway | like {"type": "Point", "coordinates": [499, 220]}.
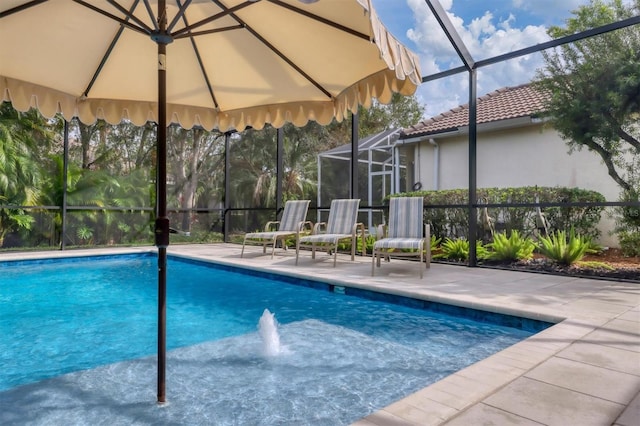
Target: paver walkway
{"type": "Point", "coordinates": [585, 370]}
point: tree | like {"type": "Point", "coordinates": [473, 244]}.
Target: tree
{"type": "Point", "coordinates": [135, 146]}
{"type": "Point", "coordinates": [23, 137]}
{"type": "Point", "coordinates": [401, 112]}
{"type": "Point", "coordinates": [254, 163]}
{"type": "Point", "coordinates": [192, 154]}
{"type": "Point", "coordinates": [86, 135]}
{"type": "Point", "coordinates": [253, 168]}
{"type": "Point", "coordinates": [594, 87]}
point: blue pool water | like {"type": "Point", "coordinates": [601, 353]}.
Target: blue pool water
{"type": "Point", "coordinates": [344, 357]}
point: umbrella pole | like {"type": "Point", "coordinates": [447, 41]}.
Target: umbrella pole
{"type": "Point", "coordinates": [162, 221]}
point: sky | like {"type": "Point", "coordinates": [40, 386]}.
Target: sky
{"type": "Point", "coordinates": [487, 27]}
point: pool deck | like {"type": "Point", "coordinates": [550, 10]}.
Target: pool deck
{"type": "Point", "coordinates": [585, 370]}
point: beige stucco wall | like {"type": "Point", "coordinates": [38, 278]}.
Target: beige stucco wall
{"type": "Point", "coordinates": [525, 156]}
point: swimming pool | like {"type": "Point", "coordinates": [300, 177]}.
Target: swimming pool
{"type": "Point", "coordinates": [344, 357]}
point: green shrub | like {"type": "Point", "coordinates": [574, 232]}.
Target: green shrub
{"type": "Point", "coordinates": [368, 244]}
{"type": "Point", "coordinates": [453, 222]}
{"type": "Point", "coordinates": [85, 234]}
{"type": "Point", "coordinates": [345, 245]}
{"type": "Point", "coordinates": [583, 220]}
{"type": "Point", "coordinates": [564, 249]}
{"type": "Point", "coordinates": [435, 243]}
{"type": "Point", "coordinates": [628, 224]}
{"type": "Point", "coordinates": [630, 214]}
{"type": "Point", "coordinates": [630, 243]}
{"type": "Point", "coordinates": [458, 249]}
{"type": "Point", "coordinates": [511, 249]}
{"type": "Point", "coordinates": [236, 238]}
{"type": "Point", "coordinates": [453, 249]}
{"type": "Point", "coordinates": [593, 247]}
{"type": "Point", "coordinates": [481, 250]}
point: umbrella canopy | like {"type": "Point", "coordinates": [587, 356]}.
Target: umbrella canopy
{"type": "Point", "coordinates": [230, 63]}
{"type": "Point", "coordinates": [217, 64]}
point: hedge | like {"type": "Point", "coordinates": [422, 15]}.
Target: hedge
{"type": "Point", "coordinates": [453, 222]}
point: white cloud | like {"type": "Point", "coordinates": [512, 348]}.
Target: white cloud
{"type": "Point", "coordinates": [483, 26]}
{"type": "Point", "coordinates": [506, 24]}
{"type": "Point", "coordinates": [484, 38]}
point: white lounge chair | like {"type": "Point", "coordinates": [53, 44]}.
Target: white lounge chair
{"type": "Point", "coordinates": [290, 225]}
{"type": "Point", "coordinates": [341, 225]}
{"type": "Point", "coordinates": [406, 231]}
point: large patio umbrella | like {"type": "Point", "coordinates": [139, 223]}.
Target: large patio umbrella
{"type": "Point", "coordinates": [216, 64]}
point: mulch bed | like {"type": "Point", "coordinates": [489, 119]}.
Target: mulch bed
{"type": "Point", "coordinates": [629, 272]}
{"type": "Point", "coordinates": [620, 267]}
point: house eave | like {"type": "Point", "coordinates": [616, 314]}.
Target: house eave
{"type": "Point", "coordinates": [491, 126]}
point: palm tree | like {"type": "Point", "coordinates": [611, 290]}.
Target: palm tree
{"type": "Point", "coordinates": [24, 139]}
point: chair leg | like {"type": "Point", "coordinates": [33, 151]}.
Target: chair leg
{"type": "Point", "coordinates": [427, 244]}
{"type": "Point", "coordinates": [420, 263]}
{"type": "Point", "coordinates": [373, 263]}
{"type": "Point", "coordinates": [335, 254]}
{"type": "Point", "coordinates": [243, 243]}
{"type": "Point", "coordinates": [273, 249]}
{"type": "Point", "coordinates": [297, 250]}
{"type": "Point", "coordinates": [354, 243]}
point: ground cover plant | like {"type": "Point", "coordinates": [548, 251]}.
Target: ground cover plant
{"type": "Point", "coordinates": [565, 254]}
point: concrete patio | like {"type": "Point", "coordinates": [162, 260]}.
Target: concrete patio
{"type": "Point", "coordinates": [585, 370]}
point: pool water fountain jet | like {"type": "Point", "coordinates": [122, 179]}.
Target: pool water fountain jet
{"type": "Point", "coordinates": [268, 329]}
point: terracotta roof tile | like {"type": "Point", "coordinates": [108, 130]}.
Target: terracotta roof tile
{"type": "Point", "coordinates": [501, 104]}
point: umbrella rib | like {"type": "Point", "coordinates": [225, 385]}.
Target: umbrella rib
{"type": "Point", "coordinates": [113, 17]}
{"type": "Point", "coordinates": [206, 32]}
{"type": "Point", "coordinates": [112, 45]}
{"type": "Point", "coordinates": [181, 13]}
{"type": "Point", "coordinates": [21, 8]}
{"type": "Point", "coordinates": [199, 58]}
{"type": "Point", "coordinates": [225, 12]}
{"type": "Point", "coordinates": [129, 14]}
{"type": "Point", "coordinates": [151, 15]}
{"type": "Point", "coordinates": [321, 19]}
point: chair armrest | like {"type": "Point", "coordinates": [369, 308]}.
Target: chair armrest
{"type": "Point", "coordinates": [381, 231]}
{"type": "Point", "coordinates": [319, 227]}
{"type": "Point", "coordinates": [304, 224]}
{"type": "Point", "coordinates": [269, 224]}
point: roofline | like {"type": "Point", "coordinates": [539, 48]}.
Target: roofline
{"type": "Point", "coordinates": [509, 123]}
